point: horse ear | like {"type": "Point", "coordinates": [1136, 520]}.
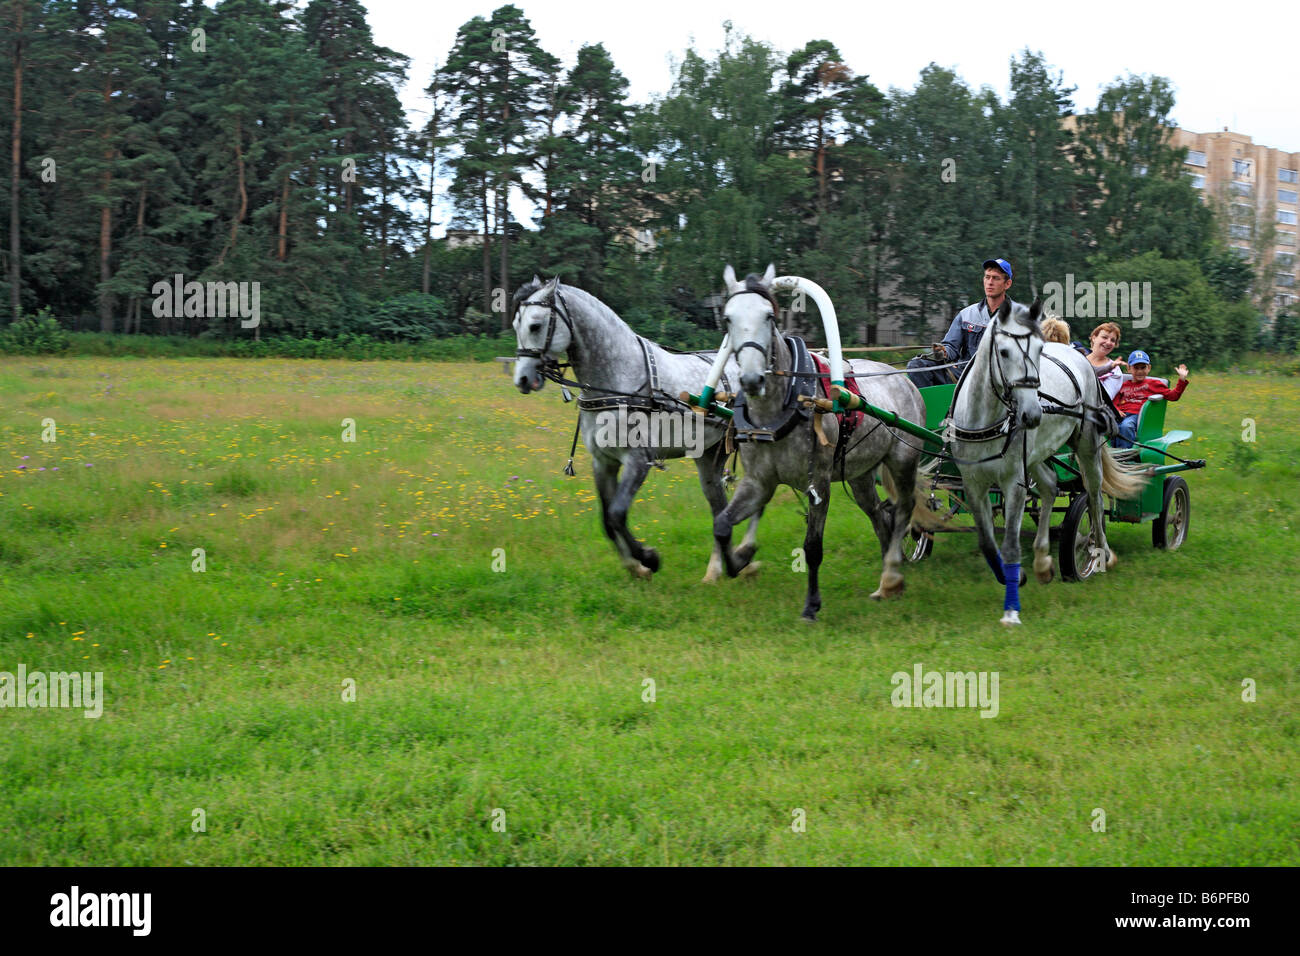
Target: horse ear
{"type": "Point", "coordinates": [729, 277]}
{"type": "Point", "coordinates": [1005, 311]}
{"type": "Point", "coordinates": [1036, 310]}
{"type": "Point", "coordinates": [537, 280]}
{"type": "Point", "coordinates": [553, 283]}
{"type": "Point", "coordinates": [770, 274]}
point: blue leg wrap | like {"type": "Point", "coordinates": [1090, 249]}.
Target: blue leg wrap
{"type": "Point", "coordinates": [1011, 572]}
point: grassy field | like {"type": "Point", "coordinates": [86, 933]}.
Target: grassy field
{"type": "Point", "coordinates": [521, 690]}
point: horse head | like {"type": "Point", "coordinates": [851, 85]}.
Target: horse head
{"type": "Point", "coordinates": [543, 331]}
{"type": "Point", "coordinates": [750, 321]}
{"type": "Point", "coordinates": [1016, 346]}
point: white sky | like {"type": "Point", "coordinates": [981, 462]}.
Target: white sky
{"type": "Point", "coordinates": [1230, 66]}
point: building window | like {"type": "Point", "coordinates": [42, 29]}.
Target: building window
{"type": "Point", "coordinates": [1241, 210]}
{"type": "Point", "coordinates": [1239, 230]}
{"type": "Point", "coordinates": [1139, 170]}
{"type": "Point", "coordinates": [1197, 181]}
{"type": "Point", "coordinates": [1283, 300]}
{"type": "Point", "coordinates": [1286, 238]}
{"type": "Point", "coordinates": [1286, 176]}
{"type": "Point", "coordinates": [1285, 259]}
{"type": "Point", "coordinates": [1241, 189]}
{"type": "Point", "coordinates": [1286, 216]}
{"type": "Point", "coordinates": [1286, 195]}
{"type": "Point", "coordinates": [1286, 279]}
{"type": "Point", "coordinates": [1241, 251]}
{"type": "Point", "coordinates": [1195, 158]}
{"type": "Point", "coordinates": [1241, 168]}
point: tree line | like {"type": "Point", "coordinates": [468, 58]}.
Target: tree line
{"type": "Point", "coordinates": [259, 142]}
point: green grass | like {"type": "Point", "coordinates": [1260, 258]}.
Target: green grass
{"type": "Point", "coordinates": [522, 690]}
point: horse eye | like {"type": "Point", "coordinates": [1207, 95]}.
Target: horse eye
{"type": "Point", "coordinates": [1005, 353]}
{"type": "Point", "coordinates": [535, 327]}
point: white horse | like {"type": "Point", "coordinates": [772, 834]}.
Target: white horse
{"type": "Point", "coordinates": [617, 368]}
{"type": "Point", "coordinates": [999, 435]}
{"type": "Point", "coordinates": [797, 457]}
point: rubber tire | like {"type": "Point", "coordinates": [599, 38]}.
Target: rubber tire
{"type": "Point", "coordinates": [1176, 494]}
{"type": "Point", "coordinates": [1074, 516]}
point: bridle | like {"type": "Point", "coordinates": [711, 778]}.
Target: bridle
{"type": "Point", "coordinates": [766, 350]}
{"type": "Point", "coordinates": [556, 307]}
{"type": "Point", "coordinates": [1031, 377]}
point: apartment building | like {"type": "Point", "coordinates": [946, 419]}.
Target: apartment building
{"type": "Point", "coordinates": [1258, 187]}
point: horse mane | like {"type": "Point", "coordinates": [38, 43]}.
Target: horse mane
{"type": "Point", "coordinates": [525, 291]}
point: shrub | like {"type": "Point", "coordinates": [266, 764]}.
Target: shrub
{"type": "Point", "coordinates": [411, 317]}
{"type": "Point", "coordinates": [40, 334]}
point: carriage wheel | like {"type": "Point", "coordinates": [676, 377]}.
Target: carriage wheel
{"type": "Point", "coordinates": [919, 543]}
{"type": "Point", "coordinates": [1076, 556]}
{"type": "Point", "coordinates": [1169, 530]}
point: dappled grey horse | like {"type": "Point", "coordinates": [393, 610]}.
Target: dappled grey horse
{"type": "Point", "coordinates": [619, 369]}
{"type": "Point", "coordinates": [795, 455]}
{"type": "Point", "coordinates": [999, 435]}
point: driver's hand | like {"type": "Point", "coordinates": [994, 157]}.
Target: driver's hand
{"type": "Point", "coordinates": [938, 351]}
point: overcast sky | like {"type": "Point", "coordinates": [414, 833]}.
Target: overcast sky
{"type": "Point", "coordinates": [1231, 66]}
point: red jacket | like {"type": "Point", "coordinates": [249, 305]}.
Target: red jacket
{"type": "Point", "coordinates": [1133, 395]}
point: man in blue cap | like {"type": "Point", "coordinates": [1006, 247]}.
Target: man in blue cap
{"type": "Point", "coordinates": [966, 330]}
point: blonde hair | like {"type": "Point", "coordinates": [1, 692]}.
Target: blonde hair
{"type": "Point", "coordinates": [1055, 330]}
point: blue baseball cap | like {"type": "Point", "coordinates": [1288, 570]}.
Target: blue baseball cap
{"type": "Point", "coordinates": [1139, 357]}
{"type": "Point", "coordinates": [998, 264]}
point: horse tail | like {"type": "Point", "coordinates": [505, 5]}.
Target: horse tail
{"type": "Point", "coordinates": [923, 516]}
{"type": "Point", "coordinates": [1119, 479]}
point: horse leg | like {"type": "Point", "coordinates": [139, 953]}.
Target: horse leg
{"type": "Point", "coordinates": [864, 493]}
{"type": "Point", "coordinates": [818, 506]}
{"type": "Point", "coordinates": [710, 471]}
{"type": "Point", "coordinates": [1091, 462]}
{"type": "Point", "coordinates": [885, 520]}
{"type": "Point", "coordinates": [1046, 476]}
{"type": "Point", "coordinates": [1013, 510]}
{"type": "Point", "coordinates": [750, 498]}
{"type": "Point", "coordinates": [749, 544]}
{"type": "Point", "coordinates": [616, 496]}
{"type": "Point", "coordinates": [981, 509]}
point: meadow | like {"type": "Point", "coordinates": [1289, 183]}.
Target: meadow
{"type": "Point", "coordinates": [443, 571]}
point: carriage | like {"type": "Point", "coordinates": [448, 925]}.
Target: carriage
{"type": "Point", "coordinates": [1166, 502]}
{"type": "Point", "coordinates": [1164, 498]}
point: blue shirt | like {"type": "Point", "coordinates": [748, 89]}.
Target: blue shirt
{"type": "Point", "coordinates": [966, 331]}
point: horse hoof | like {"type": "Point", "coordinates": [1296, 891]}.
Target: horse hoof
{"type": "Point", "coordinates": [809, 617]}
{"type": "Point", "coordinates": [1010, 617]}
{"type": "Point", "coordinates": [749, 570]}
{"type": "Point", "coordinates": [745, 552]}
{"type": "Point", "coordinates": [894, 589]}
{"type": "Point", "coordinates": [642, 572]}
{"type": "Point", "coordinates": [711, 576]}
{"type": "Point", "coordinates": [1045, 577]}
{"type": "Point", "coordinates": [1112, 561]}
{"type": "Point", "coordinates": [1024, 578]}
{"type": "Point", "coordinates": [650, 558]}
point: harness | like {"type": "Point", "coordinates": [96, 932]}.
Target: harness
{"type": "Point", "coordinates": [652, 399]}
{"type": "Point", "coordinates": [802, 367]}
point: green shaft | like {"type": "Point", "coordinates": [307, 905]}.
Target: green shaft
{"type": "Point", "coordinates": [856, 403]}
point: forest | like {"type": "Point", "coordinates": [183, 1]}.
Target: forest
{"type": "Point", "coordinates": [261, 142]}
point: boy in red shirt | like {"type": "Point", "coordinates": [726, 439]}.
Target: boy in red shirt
{"type": "Point", "coordinates": [1135, 393]}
